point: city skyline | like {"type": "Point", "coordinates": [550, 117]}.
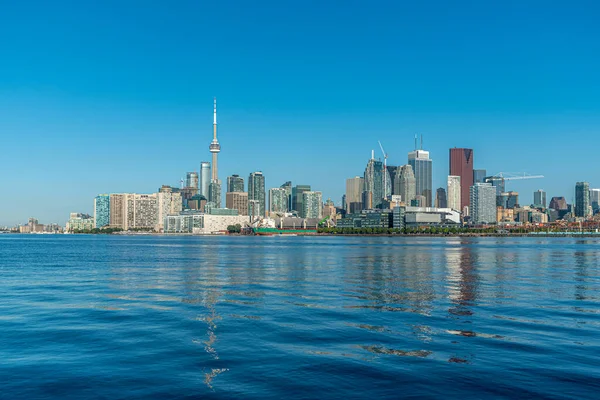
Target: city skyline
{"type": "Point", "coordinates": [91, 115]}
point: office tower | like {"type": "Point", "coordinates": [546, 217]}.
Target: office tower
{"type": "Point", "coordinates": [502, 200]}
{"type": "Point", "coordinates": [558, 203]}
{"type": "Point", "coordinates": [461, 164]}
{"type": "Point", "coordinates": [595, 199]}
{"type": "Point", "coordinates": [405, 184]}
{"type": "Point", "coordinates": [539, 199]}
{"type": "Point", "coordinates": [373, 184]}
{"type": "Point", "coordinates": [440, 198]}
{"type": "Point", "coordinates": [117, 209]}
{"type": "Point", "coordinates": [278, 200]}
{"type": "Point", "coordinates": [288, 190]}
{"type": "Point", "coordinates": [392, 170]}
{"type": "Point", "coordinates": [237, 201]}
{"type": "Point", "coordinates": [214, 193]}
{"type": "Point", "coordinates": [479, 175]}
{"type": "Point", "coordinates": [512, 199]}
{"type": "Point", "coordinates": [102, 210]}
{"type": "Point", "coordinates": [482, 203]}
{"type": "Point", "coordinates": [254, 210]}
{"type": "Point", "coordinates": [204, 178]}
{"type": "Point", "coordinates": [354, 189]}
{"type": "Point", "coordinates": [297, 197]}
{"type": "Point", "coordinates": [454, 193]}
{"type": "Point", "coordinates": [422, 167]}
{"type": "Point", "coordinates": [256, 191]}
{"type": "Point", "coordinates": [582, 199]}
{"type": "Point", "coordinates": [235, 183]}
{"type": "Point", "coordinates": [312, 203]}
{"type": "Point", "coordinates": [192, 180]}
{"type": "Point", "coordinates": [497, 182]}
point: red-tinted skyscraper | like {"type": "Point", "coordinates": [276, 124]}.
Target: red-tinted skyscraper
{"type": "Point", "coordinates": [461, 164]}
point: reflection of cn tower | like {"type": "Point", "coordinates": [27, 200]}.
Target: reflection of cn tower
{"type": "Point", "coordinates": [215, 147]}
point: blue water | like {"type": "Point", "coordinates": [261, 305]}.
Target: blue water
{"type": "Point", "coordinates": [299, 317]}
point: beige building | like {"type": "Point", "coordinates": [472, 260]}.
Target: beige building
{"type": "Point", "coordinates": [504, 215]}
{"type": "Point", "coordinates": [453, 193]}
{"type": "Point", "coordinates": [117, 210]}
{"type": "Point", "coordinates": [168, 203]}
{"type": "Point", "coordinates": [237, 201]}
{"type": "Point", "coordinates": [354, 189]}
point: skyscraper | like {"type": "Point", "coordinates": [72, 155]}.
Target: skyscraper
{"type": "Point", "coordinates": [297, 197]}
{"type": "Point", "coordinates": [392, 170]}
{"type": "Point", "coordinates": [117, 210]}
{"type": "Point", "coordinates": [237, 201]}
{"type": "Point", "coordinates": [479, 175]}
{"type": "Point", "coordinates": [192, 180]}
{"type": "Point", "coordinates": [539, 199]}
{"type": "Point", "coordinates": [288, 190]}
{"type": "Point", "coordinates": [482, 203]}
{"type": "Point", "coordinates": [204, 178]}
{"type": "Point", "coordinates": [354, 189]}
{"type": "Point", "coordinates": [278, 200]}
{"type": "Point", "coordinates": [454, 193]}
{"type": "Point", "coordinates": [595, 199]}
{"type": "Point", "coordinates": [405, 183]}
{"type": "Point", "coordinates": [461, 164]}
{"type": "Point", "coordinates": [256, 191]}
{"type": "Point", "coordinates": [558, 203]}
{"type": "Point", "coordinates": [214, 188]}
{"type": "Point", "coordinates": [582, 199]}
{"type": "Point", "coordinates": [373, 184]}
{"type": "Point", "coordinates": [312, 203]}
{"type": "Point", "coordinates": [422, 167]}
{"type": "Point", "coordinates": [235, 183]}
{"type": "Point", "coordinates": [102, 210]}
{"type": "Point", "coordinates": [440, 198]}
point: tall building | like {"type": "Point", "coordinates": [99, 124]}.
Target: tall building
{"type": "Point", "coordinates": [454, 193]}
{"type": "Point", "coordinates": [595, 199]}
{"type": "Point", "coordinates": [235, 183]}
{"type": "Point", "coordinates": [354, 189]}
{"type": "Point", "coordinates": [140, 211]}
{"type": "Point", "coordinates": [558, 203]}
{"type": "Point", "coordinates": [297, 197]}
{"type": "Point", "coordinates": [512, 199]}
{"type": "Point", "coordinates": [373, 192]}
{"type": "Point", "coordinates": [278, 200]}
{"type": "Point", "coordinates": [440, 198]}
{"type": "Point", "coordinates": [169, 203]}
{"type": "Point", "coordinates": [497, 182]}
{"type": "Point", "coordinates": [117, 210]}
{"type": "Point", "coordinates": [312, 203]}
{"type": "Point", "coordinates": [214, 193]}
{"type": "Point", "coordinates": [479, 175]}
{"type": "Point", "coordinates": [101, 210]}
{"type": "Point", "coordinates": [392, 170]}
{"type": "Point", "coordinates": [204, 178]}
{"type": "Point", "coordinates": [461, 164]}
{"type": "Point", "coordinates": [237, 201]}
{"type": "Point", "coordinates": [539, 199]}
{"type": "Point", "coordinates": [256, 190]}
{"type": "Point", "coordinates": [214, 188]}
{"type": "Point", "coordinates": [405, 184]}
{"type": "Point", "coordinates": [422, 167]}
{"type": "Point", "coordinates": [192, 180]}
{"type": "Point", "coordinates": [482, 206]}
{"type": "Point", "coordinates": [582, 199]}
{"type": "Point", "coordinates": [288, 190]}
{"type": "Point", "coordinates": [387, 183]}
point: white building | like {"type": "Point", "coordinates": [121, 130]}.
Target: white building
{"type": "Point", "coordinates": [202, 224]}
{"type": "Point", "coordinates": [483, 203]}
{"type": "Point", "coordinates": [431, 216]}
{"type": "Point", "coordinates": [454, 197]}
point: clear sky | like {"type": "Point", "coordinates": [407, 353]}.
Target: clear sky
{"type": "Point", "coordinates": [116, 96]}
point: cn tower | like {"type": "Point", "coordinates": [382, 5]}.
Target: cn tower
{"type": "Point", "coordinates": [215, 147]}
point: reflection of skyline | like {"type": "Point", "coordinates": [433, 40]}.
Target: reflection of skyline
{"type": "Point", "coordinates": [462, 278]}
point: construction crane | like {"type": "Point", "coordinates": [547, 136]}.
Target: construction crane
{"type": "Point", "coordinates": [513, 177]}
{"type": "Point", "coordinates": [385, 171]}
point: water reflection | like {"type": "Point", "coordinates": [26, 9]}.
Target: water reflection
{"type": "Point", "coordinates": [462, 278]}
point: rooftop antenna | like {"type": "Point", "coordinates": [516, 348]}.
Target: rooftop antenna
{"type": "Point", "coordinates": [415, 141]}
{"type": "Point", "coordinates": [421, 141]}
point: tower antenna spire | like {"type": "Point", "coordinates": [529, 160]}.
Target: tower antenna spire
{"type": "Point", "coordinates": [415, 141]}
{"type": "Point", "coordinates": [215, 112]}
{"type": "Point", "coordinates": [421, 141]}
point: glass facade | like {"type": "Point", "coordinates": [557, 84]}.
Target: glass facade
{"type": "Point", "coordinates": [373, 185]}
{"type": "Point", "coordinates": [256, 191]}
{"type": "Point", "coordinates": [102, 210]}
{"type": "Point", "coordinates": [582, 199]}
{"type": "Point", "coordinates": [422, 168]}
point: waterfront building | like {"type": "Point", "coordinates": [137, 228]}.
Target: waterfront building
{"type": "Point", "coordinates": [398, 213]}
{"type": "Point", "coordinates": [454, 193]}
{"type": "Point", "coordinates": [558, 203]}
{"type": "Point", "coordinates": [237, 201]}
{"type": "Point", "coordinates": [202, 223]}
{"type": "Point", "coordinates": [214, 192]}
{"type": "Point", "coordinates": [420, 216]}
{"type": "Point", "coordinates": [479, 175]}
{"type": "Point", "coordinates": [140, 211]}
{"type": "Point", "coordinates": [80, 222]}
{"type": "Point", "coordinates": [235, 183]}
{"type": "Point", "coordinates": [354, 189]}
{"type": "Point", "coordinates": [461, 164]}
{"type": "Point", "coordinates": [311, 205]}
{"type": "Point", "coordinates": [278, 200]}
{"type": "Point", "coordinates": [482, 203]}
{"type": "Point", "coordinates": [117, 210]}
{"type": "Point", "coordinates": [256, 190]}
{"type": "Point", "coordinates": [373, 192]}
{"type": "Point", "coordinates": [102, 210]}
{"type": "Point", "coordinates": [288, 190]}
{"type": "Point", "coordinates": [192, 180]}
{"type": "Point", "coordinates": [168, 203]}
{"type": "Point", "coordinates": [297, 192]}
{"type": "Point", "coordinates": [539, 199]}
{"type": "Point", "coordinates": [595, 200]}
{"type": "Point", "coordinates": [441, 200]}
{"type": "Point", "coordinates": [504, 215]}
{"type": "Point", "coordinates": [405, 183]}
{"type": "Point", "coordinates": [205, 174]}
{"type": "Point", "coordinates": [582, 199]}
{"type": "Point", "coordinates": [422, 167]}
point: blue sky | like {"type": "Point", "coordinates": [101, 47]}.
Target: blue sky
{"type": "Point", "coordinates": [117, 96]}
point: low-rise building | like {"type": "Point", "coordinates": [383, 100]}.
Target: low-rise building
{"type": "Point", "coordinates": [80, 222]}
{"type": "Point", "coordinates": [198, 223]}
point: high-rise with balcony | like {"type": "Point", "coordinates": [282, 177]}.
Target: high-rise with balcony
{"type": "Point", "coordinates": [256, 191]}
{"type": "Point", "coordinates": [312, 205]}
{"type": "Point", "coordinates": [102, 210]}
{"type": "Point", "coordinates": [482, 206]}
{"type": "Point", "coordinates": [278, 200]}
{"type": "Point", "coordinates": [235, 183]}
{"type": "Point", "coordinates": [454, 193]}
{"type": "Point", "coordinates": [461, 164]}
{"type": "Point", "coordinates": [297, 197]}
{"type": "Point", "coordinates": [582, 199]}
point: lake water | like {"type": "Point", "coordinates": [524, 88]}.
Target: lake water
{"type": "Point", "coordinates": [299, 317]}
